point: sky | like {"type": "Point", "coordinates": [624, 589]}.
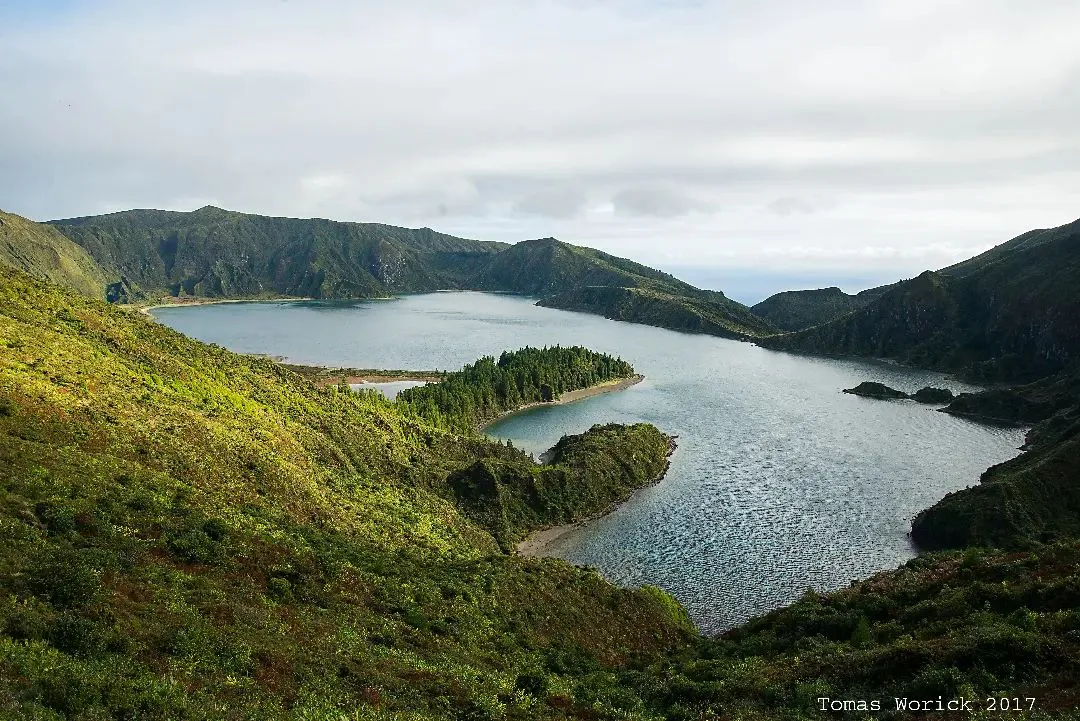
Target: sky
{"type": "Point", "coordinates": [846, 143]}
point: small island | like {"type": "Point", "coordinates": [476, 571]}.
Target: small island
{"type": "Point", "coordinates": [928, 395]}
{"type": "Point", "coordinates": [871, 389]}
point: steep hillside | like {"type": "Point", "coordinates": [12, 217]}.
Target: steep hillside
{"type": "Point", "coordinates": [1032, 498]}
{"type": "Point", "coordinates": [215, 253]}
{"type": "Point", "coordinates": [976, 625]}
{"type": "Point", "coordinates": [1013, 318]}
{"type": "Point", "coordinates": [702, 312]}
{"type": "Point", "coordinates": [219, 254]}
{"type": "Point", "coordinates": [547, 266]}
{"type": "Point", "coordinates": [1030, 239]}
{"type": "Point", "coordinates": [794, 310]}
{"type": "Point", "coordinates": [188, 533]}
{"type": "Point", "coordinates": [45, 253]}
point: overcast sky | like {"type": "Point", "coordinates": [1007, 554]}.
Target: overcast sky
{"type": "Point", "coordinates": [870, 139]}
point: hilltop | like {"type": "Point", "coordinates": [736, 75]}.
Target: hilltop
{"type": "Point", "coordinates": [793, 310]}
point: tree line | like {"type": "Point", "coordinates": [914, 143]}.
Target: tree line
{"type": "Point", "coordinates": [477, 394]}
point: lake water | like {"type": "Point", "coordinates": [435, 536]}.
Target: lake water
{"type": "Point", "coordinates": [780, 482]}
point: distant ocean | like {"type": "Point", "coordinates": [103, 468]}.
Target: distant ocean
{"type": "Point", "coordinates": [752, 286]}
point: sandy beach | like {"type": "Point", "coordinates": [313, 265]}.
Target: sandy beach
{"type": "Point", "coordinates": [537, 542]}
{"type": "Point", "coordinates": [571, 396]}
{"type": "Point", "coordinates": [180, 303]}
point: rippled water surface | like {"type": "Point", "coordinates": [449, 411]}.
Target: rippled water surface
{"type": "Point", "coordinates": [780, 482]}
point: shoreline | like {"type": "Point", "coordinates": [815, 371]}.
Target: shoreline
{"type": "Point", "coordinates": [178, 303]}
{"type": "Point", "coordinates": [145, 309]}
{"type": "Point", "coordinates": [325, 376]}
{"type": "Point", "coordinates": [536, 542]}
{"type": "Point", "coordinates": [569, 397]}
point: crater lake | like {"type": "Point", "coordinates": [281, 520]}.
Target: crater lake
{"type": "Point", "coordinates": [780, 483]}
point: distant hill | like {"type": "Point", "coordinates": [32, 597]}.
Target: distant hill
{"type": "Point", "coordinates": [215, 253]}
{"type": "Point", "coordinates": [43, 252]}
{"type": "Point", "coordinates": [697, 313]}
{"type": "Point", "coordinates": [1030, 239]}
{"type": "Point", "coordinates": [1012, 314]}
{"type": "Point", "coordinates": [794, 310]}
{"type": "Point", "coordinates": [548, 266]}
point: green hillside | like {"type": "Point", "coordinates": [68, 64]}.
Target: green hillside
{"type": "Point", "coordinates": [45, 253]}
{"type": "Point", "coordinates": [214, 253]}
{"type": "Point", "coordinates": [189, 533]}
{"type": "Point", "coordinates": [793, 310]}
{"type": "Point", "coordinates": [1013, 317]}
{"type": "Point", "coordinates": [1033, 498]}
{"type": "Point", "coordinates": [701, 312]}
{"type": "Point", "coordinates": [185, 529]}
{"type": "Point", "coordinates": [1030, 239]}
{"type": "Point", "coordinates": [547, 266]}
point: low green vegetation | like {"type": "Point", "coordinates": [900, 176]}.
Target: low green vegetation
{"type": "Point", "coordinates": [871, 389]}
{"type": "Point", "coordinates": [933, 396]}
{"type": "Point", "coordinates": [1031, 499]}
{"type": "Point", "coordinates": [214, 253]}
{"type": "Point", "coordinates": [1025, 405]}
{"type": "Point", "coordinates": [323, 376]}
{"type": "Point", "coordinates": [973, 625]}
{"type": "Point", "coordinates": [697, 312]}
{"type": "Point", "coordinates": [585, 475]}
{"type": "Point", "coordinates": [928, 395]}
{"type": "Point", "coordinates": [45, 253]}
{"type": "Point", "coordinates": [190, 533]}
{"type": "Point", "coordinates": [482, 391]}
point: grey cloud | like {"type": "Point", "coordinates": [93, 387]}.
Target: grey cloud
{"type": "Point", "coordinates": [659, 201]}
{"type": "Point", "coordinates": [552, 203]}
{"type": "Point", "coordinates": [790, 205]}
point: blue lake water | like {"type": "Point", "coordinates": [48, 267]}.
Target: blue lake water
{"type": "Point", "coordinates": [780, 482]}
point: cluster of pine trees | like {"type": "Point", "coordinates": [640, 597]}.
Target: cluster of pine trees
{"type": "Point", "coordinates": [480, 392]}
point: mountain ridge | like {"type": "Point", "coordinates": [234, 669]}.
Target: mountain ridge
{"type": "Point", "coordinates": [1010, 317]}
{"type": "Point", "coordinates": [216, 253]}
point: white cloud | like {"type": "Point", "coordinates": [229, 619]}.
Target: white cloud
{"type": "Point", "coordinates": [838, 134]}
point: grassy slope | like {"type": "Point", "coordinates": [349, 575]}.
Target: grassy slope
{"type": "Point", "coordinates": [45, 253]}
{"type": "Point", "coordinates": [972, 624]}
{"type": "Point", "coordinates": [186, 529]}
{"type": "Point", "coordinates": [1030, 499]}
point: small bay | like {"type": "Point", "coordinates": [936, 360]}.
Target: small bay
{"type": "Point", "coordinates": [780, 482]}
